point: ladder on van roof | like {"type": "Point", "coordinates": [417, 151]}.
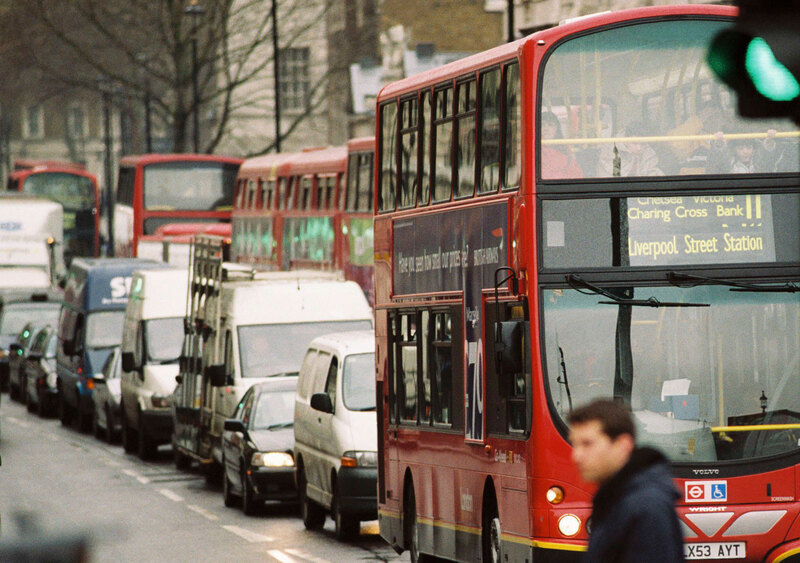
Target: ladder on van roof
{"type": "Point", "coordinates": [206, 271]}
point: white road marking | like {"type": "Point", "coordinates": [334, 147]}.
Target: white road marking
{"type": "Point", "coordinates": [252, 537]}
{"type": "Point", "coordinates": [281, 556]}
{"type": "Point", "coordinates": [17, 421]}
{"type": "Point", "coordinates": [132, 473]}
{"type": "Point", "coordinates": [202, 512]}
{"type": "Point", "coordinates": [170, 495]}
{"type": "Point", "coordinates": [306, 556]}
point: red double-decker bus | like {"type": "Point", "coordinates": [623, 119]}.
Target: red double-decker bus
{"type": "Point", "coordinates": [156, 189]}
{"type": "Point", "coordinates": [75, 189]}
{"type": "Point", "coordinates": [311, 209]}
{"type": "Point", "coordinates": [581, 214]}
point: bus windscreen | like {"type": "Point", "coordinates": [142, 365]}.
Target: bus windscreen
{"type": "Point", "coordinates": [597, 87]}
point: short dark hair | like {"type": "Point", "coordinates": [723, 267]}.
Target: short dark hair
{"type": "Point", "coordinates": [614, 418]}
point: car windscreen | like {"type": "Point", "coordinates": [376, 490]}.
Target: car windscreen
{"type": "Point", "coordinates": [358, 383]}
{"type": "Point", "coordinates": [104, 329]}
{"type": "Point", "coordinates": [164, 339]}
{"type": "Point", "coordinates": [274, 409]}
{"type": "Point", "coordinates": [16, 315]}
{"type": "Point", "coordinates": [266, 350]}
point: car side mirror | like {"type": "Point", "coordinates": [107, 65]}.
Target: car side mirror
{"type": "Point", "coordinates": [216, 375]}
{"type": "Point", "coordinates": [321, 402]}
{"type": "Point", "coordinates": [129, 362]}
{"type": "Point", "coordinates": [235, 425]}
{"type": "Point", "coordinates": [179, 379]}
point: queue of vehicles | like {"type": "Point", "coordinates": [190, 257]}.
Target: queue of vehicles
{"type": "Point", "coordinates": [207, 359]}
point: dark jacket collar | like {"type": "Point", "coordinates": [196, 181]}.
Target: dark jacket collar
{"type": "Point", "coordinates": [613, 489]}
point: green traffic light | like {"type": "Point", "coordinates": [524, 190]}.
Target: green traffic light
{"type": "Point", "coordinates": [770, 77]}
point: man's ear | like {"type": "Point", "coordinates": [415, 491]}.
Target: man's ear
{"type": "Point", "coordinates": [626, 442]}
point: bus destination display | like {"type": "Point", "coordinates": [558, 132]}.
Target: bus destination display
{"type": "Point", "coordinates": [714, 229]}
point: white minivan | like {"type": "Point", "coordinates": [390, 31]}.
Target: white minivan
{"type": "Point", "coordinates": [152, 336]}
{"type": "Point", "coordinates": [335, 432]}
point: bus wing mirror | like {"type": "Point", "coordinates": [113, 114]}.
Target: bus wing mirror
{"type": "Point", "coordinates": [69, 347]}
{"type": "Point", "coordinates": [321, 402]}
{"type": "Point", "coordinates": [508, 346]}
{"type": "Point", "coordinates": [215, 375]}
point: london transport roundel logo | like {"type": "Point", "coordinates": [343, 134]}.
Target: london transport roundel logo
{"type": "Point", "coordinates": [696, 491]}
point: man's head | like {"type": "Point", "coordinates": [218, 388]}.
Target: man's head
{"type": "Point", "coordinates": [744, 148]}
{"type": "Point", "coordinates": [602, 436]}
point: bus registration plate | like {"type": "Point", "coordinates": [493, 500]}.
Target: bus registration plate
{"type": "Point", "coordinates": [720, 550]}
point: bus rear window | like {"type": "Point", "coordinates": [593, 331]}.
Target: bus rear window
{"type": "Point", "coordinates": [640, 100]}
{"type": "Point", "coordinates": [189, 186]}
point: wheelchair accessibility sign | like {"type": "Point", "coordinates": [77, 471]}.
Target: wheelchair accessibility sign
{"type": "Point", "coordinates": [706, 491]}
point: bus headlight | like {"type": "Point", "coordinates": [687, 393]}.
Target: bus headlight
{"type": "Point", "coordinates": [272, 459]}
{"type": "Point", "coordinates": [569, 525]}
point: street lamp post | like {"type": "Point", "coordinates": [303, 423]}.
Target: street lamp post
{"type": "Point", "coordinates": [195, 11]}
{"type": "Point", "coordinates": [106, 89]}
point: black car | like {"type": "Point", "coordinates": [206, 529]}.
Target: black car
{"type": "Point", "coordinates": [40, 393]}
{"type": "Point", "coordinates": [17, 307]}
{"type": "Point", "coordinates": [257, 446]}
{"type": "Point", "coordinates": [18, 353]}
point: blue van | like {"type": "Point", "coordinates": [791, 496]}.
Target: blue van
{"type": "Point", "coordinates": [89, 329]}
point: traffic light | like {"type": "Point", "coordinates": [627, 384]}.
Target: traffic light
{"type": "Point", "coordinates": [759, 58]}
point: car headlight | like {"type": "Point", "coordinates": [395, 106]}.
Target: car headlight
{"type": "Point", "coordinates": [359, 459]}
{"type": "Point", "coordinates": [161, 401]}
{"type": "Point", "coordinates": [272, 459]}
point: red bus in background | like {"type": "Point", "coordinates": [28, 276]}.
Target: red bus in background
{"type": "Point", "coordinates": [75, 189]}
{"type": "Point", "coordinates": [310, 209]}
{"type": "Point", "coordinates": [155, 189]}
{"type": "Point", "coordinates": [171, 241]}
{"type": "Point", "coordinates": [556, 221]}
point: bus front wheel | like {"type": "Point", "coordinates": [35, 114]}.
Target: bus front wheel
{"type": "Point", "coordinates": [490, 533]}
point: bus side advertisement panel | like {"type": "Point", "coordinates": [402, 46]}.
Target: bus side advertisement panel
{"type": "Point", "coordinates": [457, 250]}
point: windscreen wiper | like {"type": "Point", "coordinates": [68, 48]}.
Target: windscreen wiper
{"type": "Point", "coordinates": [579, 284]}
{"type": "Point", "coordinates": [689, 280]}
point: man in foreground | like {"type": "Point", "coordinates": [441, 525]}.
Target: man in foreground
{"type": "Point", "coordinates": [633, 516]}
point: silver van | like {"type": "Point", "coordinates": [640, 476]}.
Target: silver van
{"type": "Point", "coordinates": [335, 432]}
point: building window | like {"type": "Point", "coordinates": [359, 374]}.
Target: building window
{"type": "Point", "coordinates": [294, 81]}
{"type": "Point", "coordinates": [77, 125]}
{"type": "Point", "coordinates": [33, 122]}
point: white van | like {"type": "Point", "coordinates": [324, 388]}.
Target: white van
{"type": "Point", "coordinates": [152, 336]}
{"type": "Point", "coordinates": [245, 332]}
{"type": "Point", "coordinates": [335, 432]}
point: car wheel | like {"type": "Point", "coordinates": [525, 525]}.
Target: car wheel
{"type": "Point", "coordinates": [63, 410]}
{"type": "Point", "coordinates": [96, 429]}
{"type": "Point", "coordinates": [109, 430]}
{"type": "Point", "coordinates": [312, 513]}
{"type": "Point", "coordinates": [40, 406]}
{"type": "Point", "coordinates": [182, 461]}
{"type": "Point", "coordinates": [346, 526]}
{"type": "Point", "coordinates": [227, 494]}
{"type": "Point", "coordinates": [83, 419]}
{"type": "Point", "coordinates": [249, 503]}
{"type": "Point", "coordinates": [128, 434]}
{"type": "Point", "coordinates": [146, 449]}
{"type": "Point", "coordinates": [30, 402]}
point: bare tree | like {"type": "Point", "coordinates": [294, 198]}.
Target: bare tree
{"type": "Point", "coordinates": [144, 47]}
